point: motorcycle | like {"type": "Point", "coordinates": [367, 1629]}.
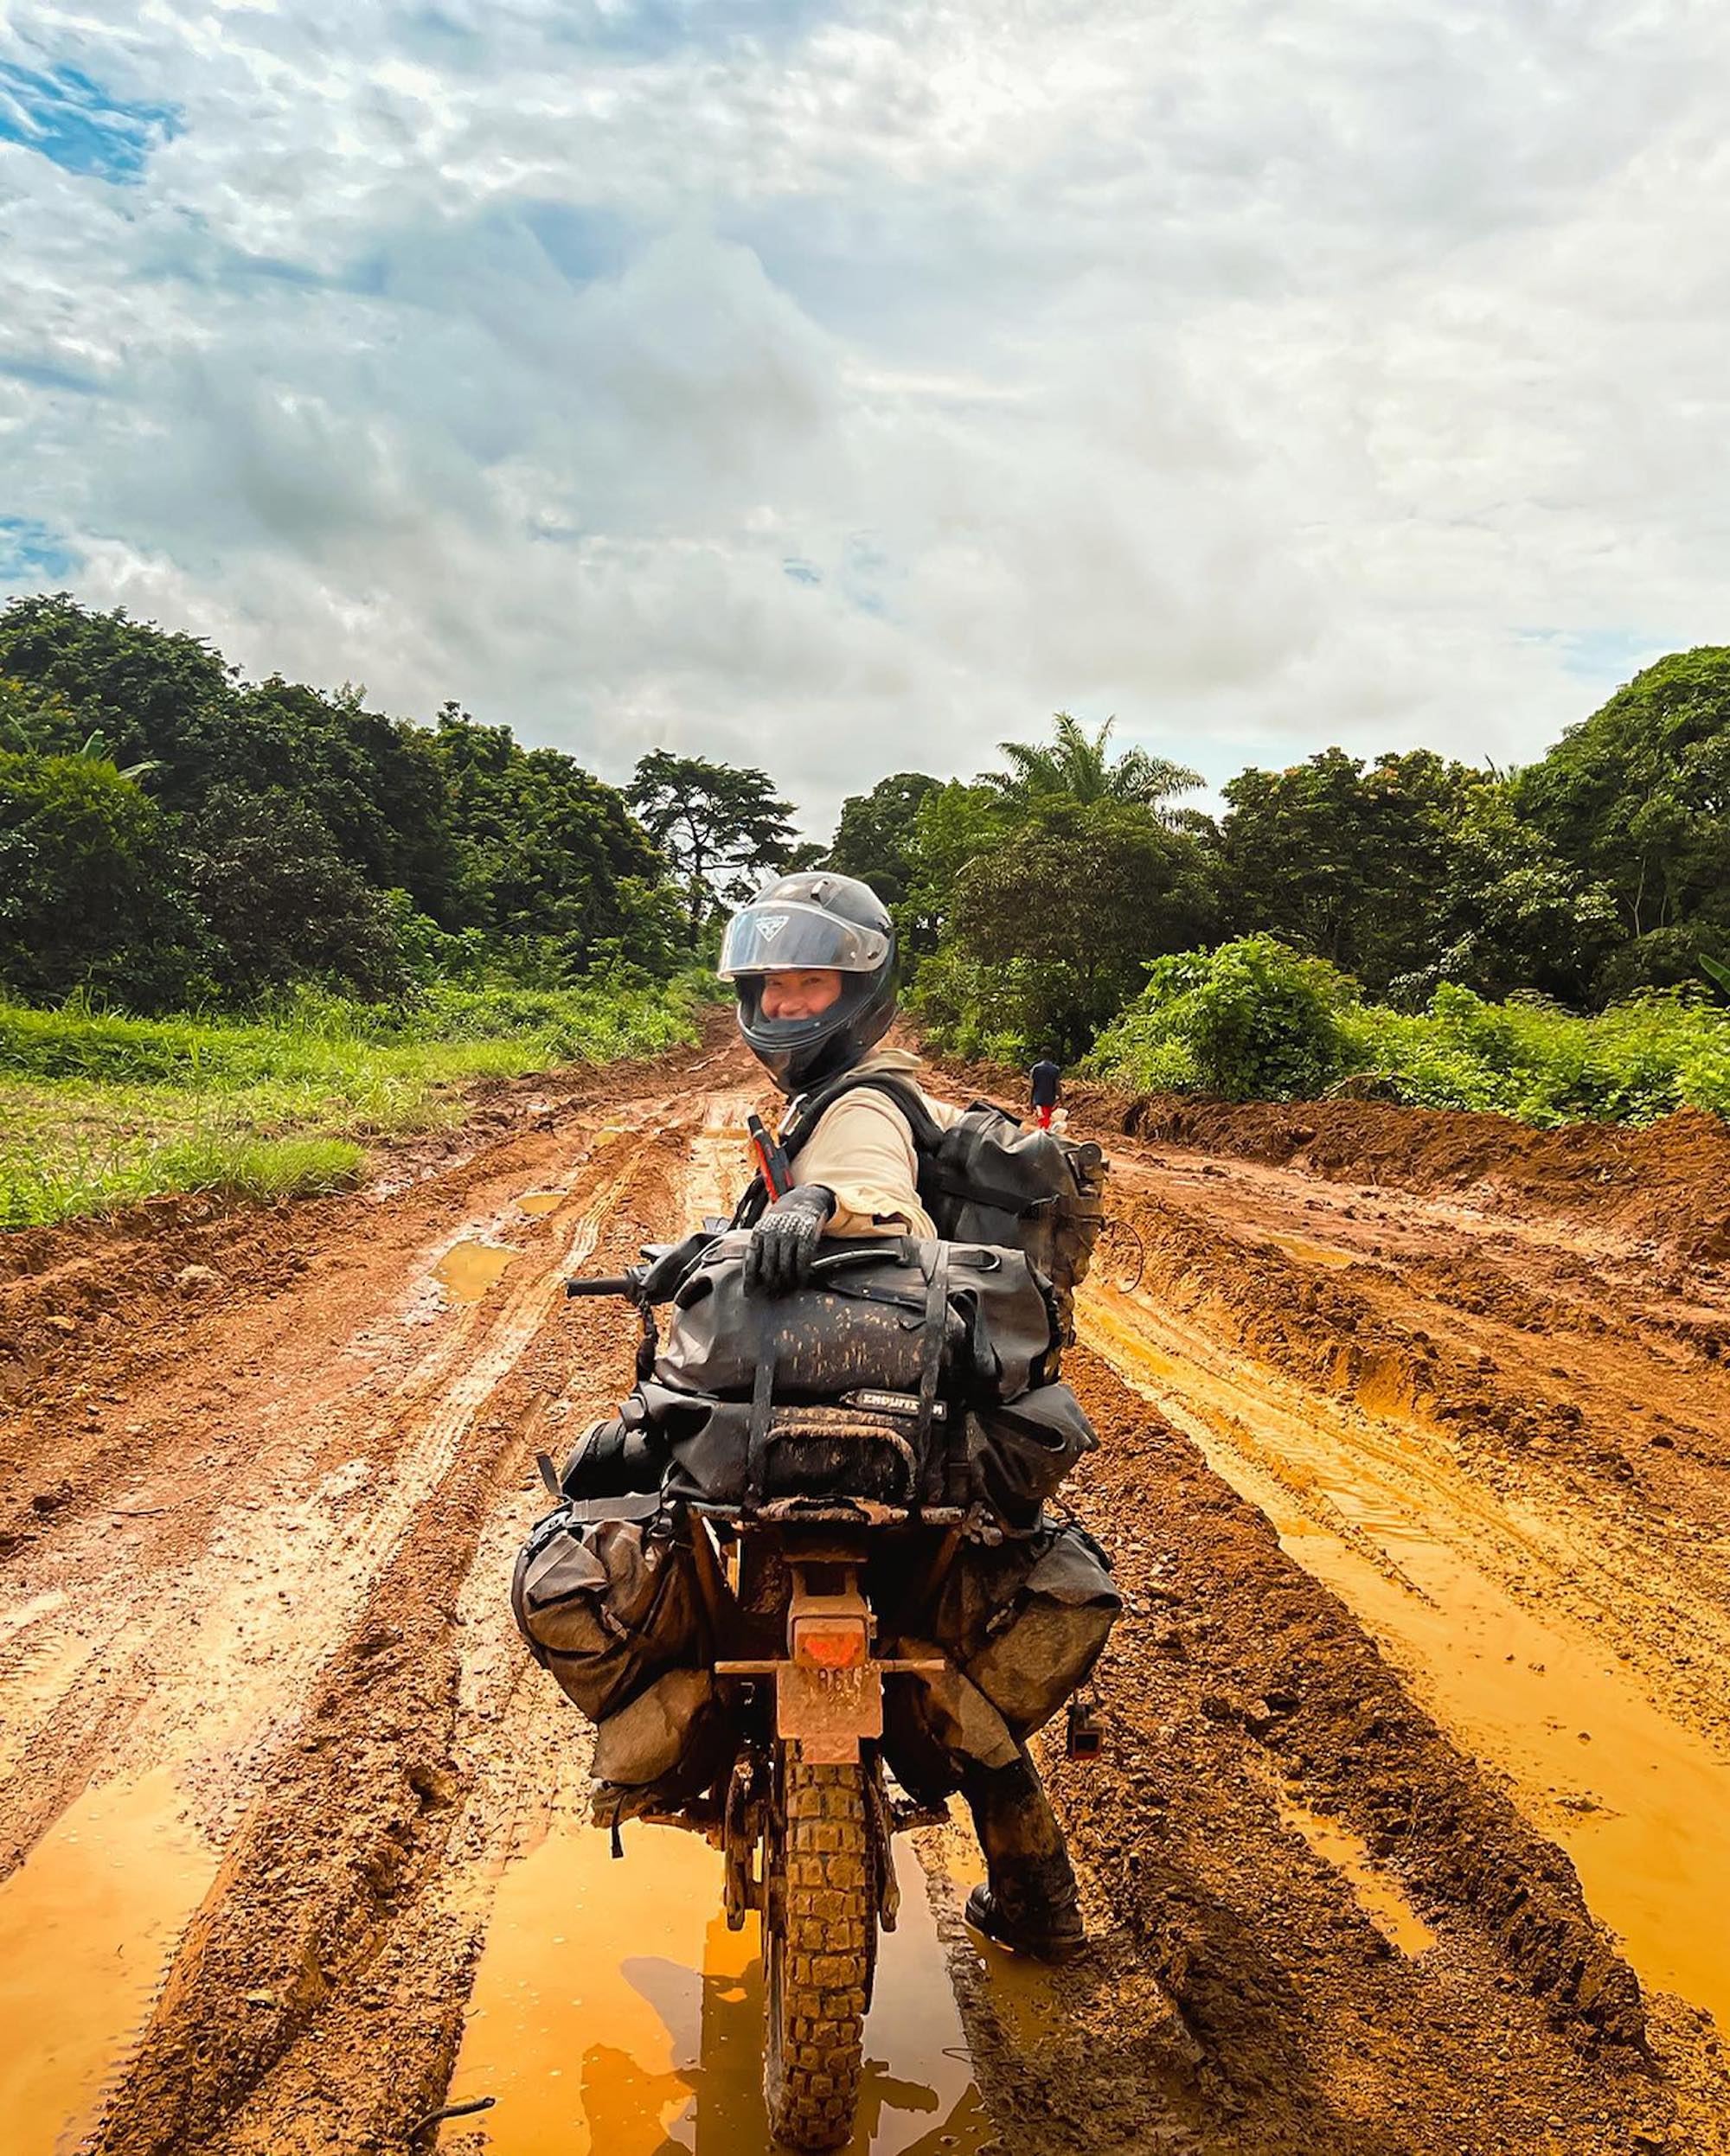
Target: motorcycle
{"type": "Point", "coordinates": [803, 1597]}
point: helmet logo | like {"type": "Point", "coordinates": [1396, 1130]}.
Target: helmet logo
{"type": "Point", "coordinates": [769, 925]}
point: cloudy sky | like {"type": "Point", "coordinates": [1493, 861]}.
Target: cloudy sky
{"type": "Point", "coordinates": [846, 387]}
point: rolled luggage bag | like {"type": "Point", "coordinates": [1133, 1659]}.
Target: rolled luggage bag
{"type": "Point", "coordinates": [607, 1606]}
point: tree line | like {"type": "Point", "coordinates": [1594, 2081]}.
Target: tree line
{"type": "Point", "coordinates": [172, 834]}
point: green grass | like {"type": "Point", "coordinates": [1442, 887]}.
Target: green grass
{"type": "Point", "coordinates": [99, 1110]}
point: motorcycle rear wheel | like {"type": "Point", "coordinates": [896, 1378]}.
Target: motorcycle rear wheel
{"type": "Point", "coordinates": [820, 1947]}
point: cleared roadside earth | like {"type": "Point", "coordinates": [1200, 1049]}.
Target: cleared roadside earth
{"type": "Point", "coordinates": [292, 1832]}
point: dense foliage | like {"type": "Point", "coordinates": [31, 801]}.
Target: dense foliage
{"type": "Point", "coordinates": [1255, 1019]}
{"type": "Point", "coordinates": [171, 835]}
{"type": "Point", "coordinates": [174, 836]}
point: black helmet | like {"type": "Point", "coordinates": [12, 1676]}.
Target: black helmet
{"type": "Point", "coordinates": [812, 920]}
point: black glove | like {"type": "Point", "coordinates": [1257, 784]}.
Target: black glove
{"type": "Point", "coordinates": [779, 1256]}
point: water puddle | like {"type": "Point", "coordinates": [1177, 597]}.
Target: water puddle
{"type": "Point", "coordinates": [468, 1269]}
{"type": "Point", "coordinates": [537, 1203]}
{"type": "Point", "coordinates": [613, 2012]}
{"type": "Point", "coordinates": [86, 1926]}
{"type": "Point", "coordinates": [1310, 1253]}
{"type": "Point", "coordinates": [1641, 1804]}
{"type": "Point", "coordinates": [1381, 1900]}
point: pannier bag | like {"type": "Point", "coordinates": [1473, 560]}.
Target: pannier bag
{"type": "Point", "coordinates": [1023, 1625]}
{"type": "Point", "coordinates": [674, 1733]}
{"type": "Point", "coordinates": [986, 1180]}
{"type": "Point", "coordinates": [608, 1606]}
{"type": "Point", "coordinates": [1018, 1455]}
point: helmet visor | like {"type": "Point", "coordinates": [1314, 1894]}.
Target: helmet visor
{"type": "Point", "coordinates": [782, 937]}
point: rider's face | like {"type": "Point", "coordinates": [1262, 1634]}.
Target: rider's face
{"type": "Point", "coordinates": [802, 994]}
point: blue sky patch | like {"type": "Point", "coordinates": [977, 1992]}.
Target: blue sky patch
{"type": "Point", "coordinates": [1608, 656]}
{"type": "Point", "coordinates": [802, 572]}
{"type": "Point", "coordinates": [31, 554]}
{"type": "Point", "coordinates": [78, 125]}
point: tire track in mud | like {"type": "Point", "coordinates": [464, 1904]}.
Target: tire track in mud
{"type": "Point", "coordinates": [232, 1652]}
{"type": "Point", "coordinates": [353, 1815]}
{"type": "Point", "coordinates": [413, 1762]}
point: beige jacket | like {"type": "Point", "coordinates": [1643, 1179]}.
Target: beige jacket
{"type": "Point", "coordinates": [863, 1149]}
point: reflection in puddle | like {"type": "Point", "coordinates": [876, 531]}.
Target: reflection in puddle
{"type": "Point", "coordinates": [468, 1269]}
{"type": "Point", "coordinates": [534, 1203]}
{"type": "Point", "coordinates": [1381, 1900]}
{"type": "Point", "coordinates": [86, 1925]}
{"type": "Point", "coordinates": [613, 2012]}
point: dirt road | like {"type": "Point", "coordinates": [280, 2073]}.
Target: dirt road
{"type": "Point", "coordinates": [1418, 1495]}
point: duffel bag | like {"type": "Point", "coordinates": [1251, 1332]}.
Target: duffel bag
{"type": "Point", "coordinates": [608, 1606]}
{"type": "Point", "coordinates": [875, 1315]}
{"type": "Point", "coordinates": [830, 1449]}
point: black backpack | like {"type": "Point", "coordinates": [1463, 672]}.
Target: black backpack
{"type": "Point", "coordinates": [986, 1180]}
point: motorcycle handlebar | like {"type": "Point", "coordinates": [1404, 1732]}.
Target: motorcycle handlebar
{"type": "Point", "coordinates": [603, 1284]}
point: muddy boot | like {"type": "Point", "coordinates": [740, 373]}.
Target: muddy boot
{"type": "Point", "coordinates": [1029, 1903]}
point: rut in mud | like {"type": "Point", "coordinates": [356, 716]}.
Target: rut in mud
{"type": "Point", "coordinates": [291, 1832]}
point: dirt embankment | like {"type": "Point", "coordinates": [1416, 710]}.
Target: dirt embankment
{"type": "Point", "coordinates": [264, 1706]}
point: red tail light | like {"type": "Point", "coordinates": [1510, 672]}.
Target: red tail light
{"type": "Point", "coordinates": [831, 1643]}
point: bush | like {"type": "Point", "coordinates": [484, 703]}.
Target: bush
{"type": "Point", "coordinates": [1252, 1020]}
{"type": "Point", "coordinates": [1525, 1057]}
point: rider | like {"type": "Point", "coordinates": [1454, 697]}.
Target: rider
{"type": "Point", "coordinates": [813, 963]}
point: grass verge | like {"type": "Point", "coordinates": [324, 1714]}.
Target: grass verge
{"type": "Point", "coordinates": [99, 1110]}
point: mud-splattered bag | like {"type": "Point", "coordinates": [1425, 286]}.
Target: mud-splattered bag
{"type": "Point", "coordinates": [608, 1606]}
{"type": "Point", "coordinates": [1022, 1626]}
{"type": "Point", "coordinates": [1018, 1455]}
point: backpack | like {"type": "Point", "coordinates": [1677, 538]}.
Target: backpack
{"type": "Point", "coordinates": [986, 1180]}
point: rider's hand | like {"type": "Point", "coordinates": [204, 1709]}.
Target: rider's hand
{"type": "Point", "coordinates": [779, 1256]}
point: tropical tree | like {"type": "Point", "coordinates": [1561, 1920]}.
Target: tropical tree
{"type": "Point", "coordinates": [877, 839]}
{"type": "Point", "coordinates": [1637, 797]}
{"type": "Point", "coordinates": [1074, 900]}
{"type": "Point", "coordinates": [723, 827]}
{"type": "Point", "coordinates": [1075, 765]}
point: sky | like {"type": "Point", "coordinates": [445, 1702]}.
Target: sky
{"type": "Point", "coordinates": [845, 387]}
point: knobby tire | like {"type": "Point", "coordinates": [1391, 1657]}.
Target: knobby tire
{"type": "Point", "coordinates": [820, 1956]}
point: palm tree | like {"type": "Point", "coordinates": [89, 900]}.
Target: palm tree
{"type": "Point", "coordinates": [95, 750]}
{"type": "Point", "coordinates": [1075, 766]}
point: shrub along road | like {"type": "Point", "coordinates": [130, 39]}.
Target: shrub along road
{"type": "Point", "coordinates": [280, 1792]}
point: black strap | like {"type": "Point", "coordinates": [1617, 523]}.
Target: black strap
{"type": "Point", "coordinates": [762, 1401]}
{"type": "Point", "coordinates": [808, 1110]}
{"type": "Point", "coordinates": [931, 1346]}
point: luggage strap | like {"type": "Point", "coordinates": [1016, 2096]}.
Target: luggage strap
{"type": "Point", "coordinates": [930, 1346]}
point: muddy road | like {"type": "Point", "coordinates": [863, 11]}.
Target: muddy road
{"type": "Point", "coordinates": [1412, 1834]}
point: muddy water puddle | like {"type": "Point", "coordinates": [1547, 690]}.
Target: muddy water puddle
{"type": "Point", "coordinates": [537, 1204]}
{"type": "Point", "coordinates": [1381, 1901]}
{"type": "Point", "coordinates": [1641, 1804]}
{"type": "Point", "coordinates": [613, 2012]}
{"type": "Point", "coordinates": [468, 1269]}
{"type": "Point", "coordinates": [86, 1924]}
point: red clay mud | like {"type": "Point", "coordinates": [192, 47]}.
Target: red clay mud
{"type": "Point", "coordinates": [257, 1532]}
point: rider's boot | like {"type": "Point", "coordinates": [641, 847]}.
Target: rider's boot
{"type": "Point", "coordinates": [1029, 1903]}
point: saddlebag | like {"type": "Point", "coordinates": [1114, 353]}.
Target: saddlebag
{"type": "Point", "coordinates": [1018, 1455]}
{"type": "Point", "coordinates": [1022, 1626]}
{"type": "Point", "coordinates": [608, 1606]}
{"type": "Point", "coordinates": [674, 1733]}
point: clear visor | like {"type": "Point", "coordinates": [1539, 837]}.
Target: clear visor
{"type": "Point", "coordinates": [774, 938]}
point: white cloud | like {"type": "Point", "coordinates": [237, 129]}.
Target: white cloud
{"type": "Point", "coordinates": [1269, 375]}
